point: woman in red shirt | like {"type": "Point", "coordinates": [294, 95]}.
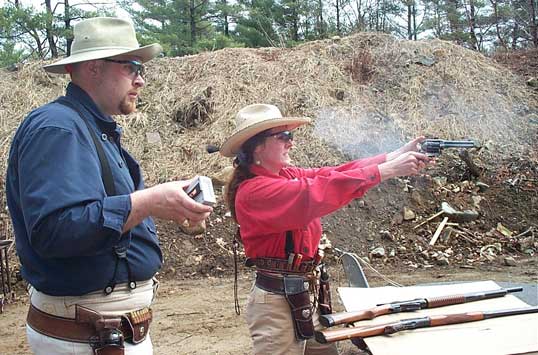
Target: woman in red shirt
{"type": "Point", "coordinates": [278, 208]}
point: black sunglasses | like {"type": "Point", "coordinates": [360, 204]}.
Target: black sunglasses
{"type": "Point", "coordinates": [135, 67]}
{"type": "Point", "coordinates": [284, 136]}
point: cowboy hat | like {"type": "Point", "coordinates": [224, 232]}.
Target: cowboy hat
{"type": "Point", "coordinates": [103, 37]}
{"type": "Point", "coordinates": [253, 119]}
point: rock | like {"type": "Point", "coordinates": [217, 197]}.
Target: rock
{"type": "Point", "coordinates": [446, 235]}
{"type": "Point", "coordinates": [509, 261]}
{"type": "Point", "coordinates": [442, 261]}
{"type": "Point", "coordinates": [378, 252]}
{"type": "Point", "coordinates": [397, 219]}
{"type": "Point", "coordinates": [439, 181]}
{"type": "Point", "coordinates": [386, 235]}
{"type": "Point", "coordinates": [408, 214]}
{"type": "Point", "coordinates": [481, 186]}
{"type": "Point", "coordinates": [196, 229]}
{"type": "Point", "coordinates": [503, 230]}
{"type": "Point", "coordinates": [153, 138]}
{"type": "Point", "coordinates": [476, 201]}
{"type": "Point", "coordinates": [458, 216]}
{"type": "Point", "coordinates": [532, 82]}
{"type": "Point", "coordinates": [416, 197]}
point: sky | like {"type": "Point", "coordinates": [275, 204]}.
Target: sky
{"type": "Point", "coordinates": [40, 4]}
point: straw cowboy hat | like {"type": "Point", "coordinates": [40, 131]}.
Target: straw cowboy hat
{"type": "Point", "coordinates": [253, 119]}
{"type": "Point", "coordinates": [103, 37]}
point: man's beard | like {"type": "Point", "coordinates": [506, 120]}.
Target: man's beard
{"type": "Point", "coordinates": [127, 106]}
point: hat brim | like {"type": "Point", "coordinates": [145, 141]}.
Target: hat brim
{"type": "Point", "coordinates": [145, 53]}
{"type": "Point", "coordinates": [233, 144]}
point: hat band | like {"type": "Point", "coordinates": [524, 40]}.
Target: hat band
{"type": "Point", "coordinates": [103, 48]}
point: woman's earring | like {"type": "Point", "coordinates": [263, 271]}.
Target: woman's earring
{"type": "Point", "coordinates": [257, 162]}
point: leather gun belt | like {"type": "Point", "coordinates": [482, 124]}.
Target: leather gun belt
{"type": "Point", "coordinates": [70, 330]}
{"type": "Point", "coordinates": [280, 265]}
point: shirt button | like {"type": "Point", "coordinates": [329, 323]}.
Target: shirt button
{"type": "Point", "coordinates": [104, 137]}
{"type": "Point", "coordinates": [120, 163]}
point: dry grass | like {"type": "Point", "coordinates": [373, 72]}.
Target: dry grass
{"type": "Point", "coordinates": [366, 93]}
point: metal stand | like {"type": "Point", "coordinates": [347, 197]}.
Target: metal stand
{"type": "Point", "coordinates": [4, 271]}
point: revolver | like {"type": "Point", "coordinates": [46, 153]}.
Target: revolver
{"type": "Point", "coordinates": [433, 147]}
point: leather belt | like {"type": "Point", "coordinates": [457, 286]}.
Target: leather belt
{"type": "Point", "coordinates": [275, 284]}
{"type": "Point", "coordinates": [280, 265]}
{"type": "Point", "coordinates": [70, 330]}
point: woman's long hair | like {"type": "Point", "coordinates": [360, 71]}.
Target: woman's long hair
{"type": "Point", "coordinates": [243, 160]}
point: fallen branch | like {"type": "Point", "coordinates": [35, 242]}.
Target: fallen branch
{"type": "Point", "coordinates": [429, 219]}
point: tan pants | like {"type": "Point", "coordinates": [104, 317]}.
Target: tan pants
{"type": "Point", "coordinates": [270, 324]}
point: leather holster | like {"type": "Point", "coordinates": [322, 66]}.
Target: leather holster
{"type": "Point", "coordinates": [298, 298]}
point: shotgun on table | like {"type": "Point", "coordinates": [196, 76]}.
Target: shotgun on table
{"type": "Point", "coordinates": [328, 320]}
{"type": "Point", "coordinates": [332, 335]}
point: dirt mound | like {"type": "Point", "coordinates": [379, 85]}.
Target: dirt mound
{"type": "Point", "coordinates": [366, 93]}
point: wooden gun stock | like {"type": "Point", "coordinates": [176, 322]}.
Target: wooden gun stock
{"type": "Point", "coordinates": [328, 320]}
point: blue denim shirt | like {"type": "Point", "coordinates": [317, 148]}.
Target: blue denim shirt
{"type": "Point", "coordinates": [65, 225]}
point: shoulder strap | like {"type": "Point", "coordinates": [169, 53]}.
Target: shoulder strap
{"type": "Point", "coordinates": [106, 172]}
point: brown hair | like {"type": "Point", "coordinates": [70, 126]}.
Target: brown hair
{"type": "Point", "coordinates": [242, 162]}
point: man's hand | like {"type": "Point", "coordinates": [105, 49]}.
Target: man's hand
{"type": "Point", "coordinates": [166, 201]}
{"type": "Point", "coordinates": [406, 164]}
{"type": "Point", "coordinates": [412, 146]}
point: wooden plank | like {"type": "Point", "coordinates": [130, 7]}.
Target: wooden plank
{"type": "Point", "coordinates": [439, 230]}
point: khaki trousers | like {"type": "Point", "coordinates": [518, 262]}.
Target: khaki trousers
{"type": "Point", "coordinates": [270, 324]}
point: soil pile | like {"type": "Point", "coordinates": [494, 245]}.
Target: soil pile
{"type": "Point", "coordinates": [367, 94]}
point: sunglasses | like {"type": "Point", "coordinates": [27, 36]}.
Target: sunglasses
{"type": "Point", "coordinates": [132, 67]}
{"type": "Point", "coordinates": [284, 136]}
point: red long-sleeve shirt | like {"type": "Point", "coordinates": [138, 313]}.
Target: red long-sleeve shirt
{"type": "Point", "coordinates": [268, 205]}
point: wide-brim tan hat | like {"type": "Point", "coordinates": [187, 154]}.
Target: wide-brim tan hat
{"type": "Point", "coordinates": [256, 118]}
{"type": "Point", "coordinates": [103, 37]}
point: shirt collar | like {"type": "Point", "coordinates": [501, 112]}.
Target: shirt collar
{"type": "Point", "coordinates": [260, 170]}
{"type": "Point", "coordinates": [76, 93]}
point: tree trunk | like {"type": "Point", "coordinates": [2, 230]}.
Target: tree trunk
{"type": "Point", "coordinates": [496, 19]}
{"type": "Point", "coordinates": [67, 22]}
{"type": "Point", "coordinates": [534, 22]}
{"type": "Point", "coordinates": [409, 19]}
{"type": "Point", "coordinates": [49, 31]}
{"type": "Point", "coordinates": [338, 17]}
{"type": "Point", "coordinates": [321, 23]}
{"type": "Point", "coordinates": [472, 25]}
{"type": "Point", "coordinates": [192, 21]}
{"type": "Point", "coordinates": [414, 21]}
{"type": "Point", "coordinates": [295, 22]}
{"type": "Point", "coordinates": [225, 17]}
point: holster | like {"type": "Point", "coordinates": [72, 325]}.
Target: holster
{"type": "Point", "coordinates": [109, 339]}
{"type": "Point", "coordinates": [298, 298]}
{"type": "Point", "coordinates": [324, 295]}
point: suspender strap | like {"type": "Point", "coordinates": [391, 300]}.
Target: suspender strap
{"type": "Point", "coordinates": [289, 243]}
{"type": "Point", "coordinates": [106, 173]}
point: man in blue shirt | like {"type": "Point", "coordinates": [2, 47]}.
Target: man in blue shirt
{"type": "Point", "coordinates": [81, 215]}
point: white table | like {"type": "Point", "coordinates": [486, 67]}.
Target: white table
{"type": "Point", "coordinates": [497, 336]}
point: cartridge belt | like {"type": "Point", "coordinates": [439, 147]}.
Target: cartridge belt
{"type": "Point", "coordinates": [134, 325]}
{"type": "Point", "coordinates": [275, 283]}
{"type": "Point", "coordinates": [281, 265]}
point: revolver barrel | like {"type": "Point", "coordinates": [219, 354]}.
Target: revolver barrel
{"type": "Point", "coordinates": [433, 147]}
